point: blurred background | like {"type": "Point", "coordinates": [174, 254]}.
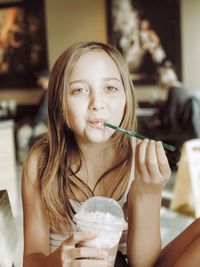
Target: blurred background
{"type": "Point", "coordinates": [159, 40]}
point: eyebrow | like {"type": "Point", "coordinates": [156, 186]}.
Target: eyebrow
{"type": "Point", "coordinates": [78, 81]}
{"type": "Point", "coordinates": [112, 78]}
{"type": "Point", "coordinates": [85, 81]}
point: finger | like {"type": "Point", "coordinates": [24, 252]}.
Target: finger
{"type": "Point", "coordinates": [151, 159]}
{"type": "Point", "coordinates": [85, 252]}
{"type": "Point", "coordinates": [133, 143]}
{"type": "Point", "coordinates": [141, 158]}
{"type": "Point", "coordinates": [138, 141]}
{"type": "Point", "coordinates": [79, 236]}
{"type": "Point", "coordinates": [162, 160]}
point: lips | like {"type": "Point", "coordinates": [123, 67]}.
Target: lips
{"type": "Point", "coordinates": [98, 123]}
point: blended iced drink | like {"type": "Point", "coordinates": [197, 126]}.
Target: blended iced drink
{"type": "Point", "coordinates": [104, 217]}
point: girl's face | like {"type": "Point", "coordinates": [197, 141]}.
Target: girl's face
{"type": "Point", "coordinates": [95, 95]}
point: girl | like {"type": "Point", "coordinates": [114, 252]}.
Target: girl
{"type": "Point", "coordinates": [80, 158]}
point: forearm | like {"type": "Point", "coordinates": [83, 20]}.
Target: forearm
{"type": "Point", "coordinates": [144, 242]}
{"type": "Point", "coordinates": [41, 260]}
{"type": "Point", "coordinates": [177, 248]}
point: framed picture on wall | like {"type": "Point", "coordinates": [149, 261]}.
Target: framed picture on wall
{"type": "Point", "coordinates": [147, 33]}
{"type": "Point", "coordinates": [23, 46]}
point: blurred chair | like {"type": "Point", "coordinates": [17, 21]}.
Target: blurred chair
{"type": "Point", "coordinates": [27, 132]}
{"type": "Point", "coordinates": [9, 252]}
{"type": "Point", "coordinates": [8, 173]}
{"type": "Point", "coordinates": [186, 192]}
{"type": "Point", "coordinates": [176, 122]}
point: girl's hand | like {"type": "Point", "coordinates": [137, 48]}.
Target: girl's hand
{"type": "Point", "coordinates": [152, 167]}
{"type": "Point", "coordinates": [75, 255]}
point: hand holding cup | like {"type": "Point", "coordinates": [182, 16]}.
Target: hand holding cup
{"type": "Point", "coordinates": [74, 253]}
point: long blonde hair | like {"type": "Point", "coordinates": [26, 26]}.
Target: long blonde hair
{"type": "Point", "coordinates": [59, 145]}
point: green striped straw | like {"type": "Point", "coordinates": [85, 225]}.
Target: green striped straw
{"type": "Point", "coordinates": [137, 135]}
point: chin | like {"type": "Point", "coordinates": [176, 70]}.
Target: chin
{"type": "Point", "coordinates": [97, 139]}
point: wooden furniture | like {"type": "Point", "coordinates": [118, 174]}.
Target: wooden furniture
{"type": "Point", "coordinates": [8, 175]}
{"type": "Point", "coordinates": [187, 184]}
{"type": "Point", "coordinates": [9, 241]}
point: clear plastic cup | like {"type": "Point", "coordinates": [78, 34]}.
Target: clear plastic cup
{"type": "Point", "coordinates": [104, 217]}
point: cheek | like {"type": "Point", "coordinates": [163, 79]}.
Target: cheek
{"type": "Point", "coordinates": [71, 114]}
{"type": "Point", "coordinates": [121, 112]}
{"type": "Point", "coordinates": [121, 104]}
{"type": "Point", "coordinates": [118, 109]}
{"type": "Point", "coordinates": [75, 115]}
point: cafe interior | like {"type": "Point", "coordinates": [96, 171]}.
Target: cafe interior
{"type": "Point", "coordinates": [159, 40]}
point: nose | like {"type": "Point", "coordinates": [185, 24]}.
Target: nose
{"type": "Point", "coordinates": [96, 102]}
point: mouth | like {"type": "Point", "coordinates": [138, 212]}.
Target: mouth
{"type": "Point", "coordinates": [97, 123]}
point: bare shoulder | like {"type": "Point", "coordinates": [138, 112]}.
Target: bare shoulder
{"type": "Point", "coordinates": [30, 175]}
{"type": "Point", "coordinates": [32, 164]}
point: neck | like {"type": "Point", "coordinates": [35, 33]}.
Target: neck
{"type": "Point", "coordinates": [97, 154]}
{"type": "Point", "coordinates": [97, 159]}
